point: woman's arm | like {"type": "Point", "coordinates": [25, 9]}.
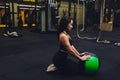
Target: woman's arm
{"type": "Point", "coordinates": [80, 54]}
{"type": "Point", "coordinates": [64, 39]}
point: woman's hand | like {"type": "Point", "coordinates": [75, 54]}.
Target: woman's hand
{"type": "Point", "coordinates": [82, 54]}
{"type": "Point", "coordinates": [85, 57]}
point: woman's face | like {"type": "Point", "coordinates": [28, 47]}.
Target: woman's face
{"type": "Point", "coordinates": [70, 25]}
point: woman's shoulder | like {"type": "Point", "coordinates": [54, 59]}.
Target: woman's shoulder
{"type": "Point", "coordinates": [62, 35]}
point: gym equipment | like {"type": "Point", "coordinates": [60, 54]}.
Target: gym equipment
{"type": "Point", "coordinates": [106, 21]}
{"type": "Point", "coordinates": [84, 9]}
{"type": "Point", "coordinates": [28, 15]}
{"type": "Point", "coordinates": [4, 15]}
{"type": "Point", "coordinates": [91, 66]}
{"type": "Point", "coordinates": [89, 38]}
{"type": "Point", "coordinates": [52, 14]}
{"type": "Point", "coordinates": [117, 44]}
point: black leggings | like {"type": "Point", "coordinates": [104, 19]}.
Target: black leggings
{"type": "Point", "coordinates": [65, 62]}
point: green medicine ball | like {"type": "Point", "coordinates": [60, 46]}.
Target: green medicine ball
{"type": "Point", "coordinates": [92, 64]}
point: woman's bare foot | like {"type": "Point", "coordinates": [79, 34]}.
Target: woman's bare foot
{"type": "Point", "coordinates": [51, 68]}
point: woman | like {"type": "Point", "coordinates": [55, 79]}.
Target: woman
{"type": "Point", "coordinates": [67, 58]}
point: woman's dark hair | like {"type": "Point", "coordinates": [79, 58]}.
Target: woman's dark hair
{"type": "Point", "coordinates": [63, 24]}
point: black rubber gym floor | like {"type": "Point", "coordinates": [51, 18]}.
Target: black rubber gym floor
{"type": "Point", "coordinates": [27, 57]}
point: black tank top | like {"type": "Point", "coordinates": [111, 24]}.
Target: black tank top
{"type": "Point", "coordinates": [62, 47]}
